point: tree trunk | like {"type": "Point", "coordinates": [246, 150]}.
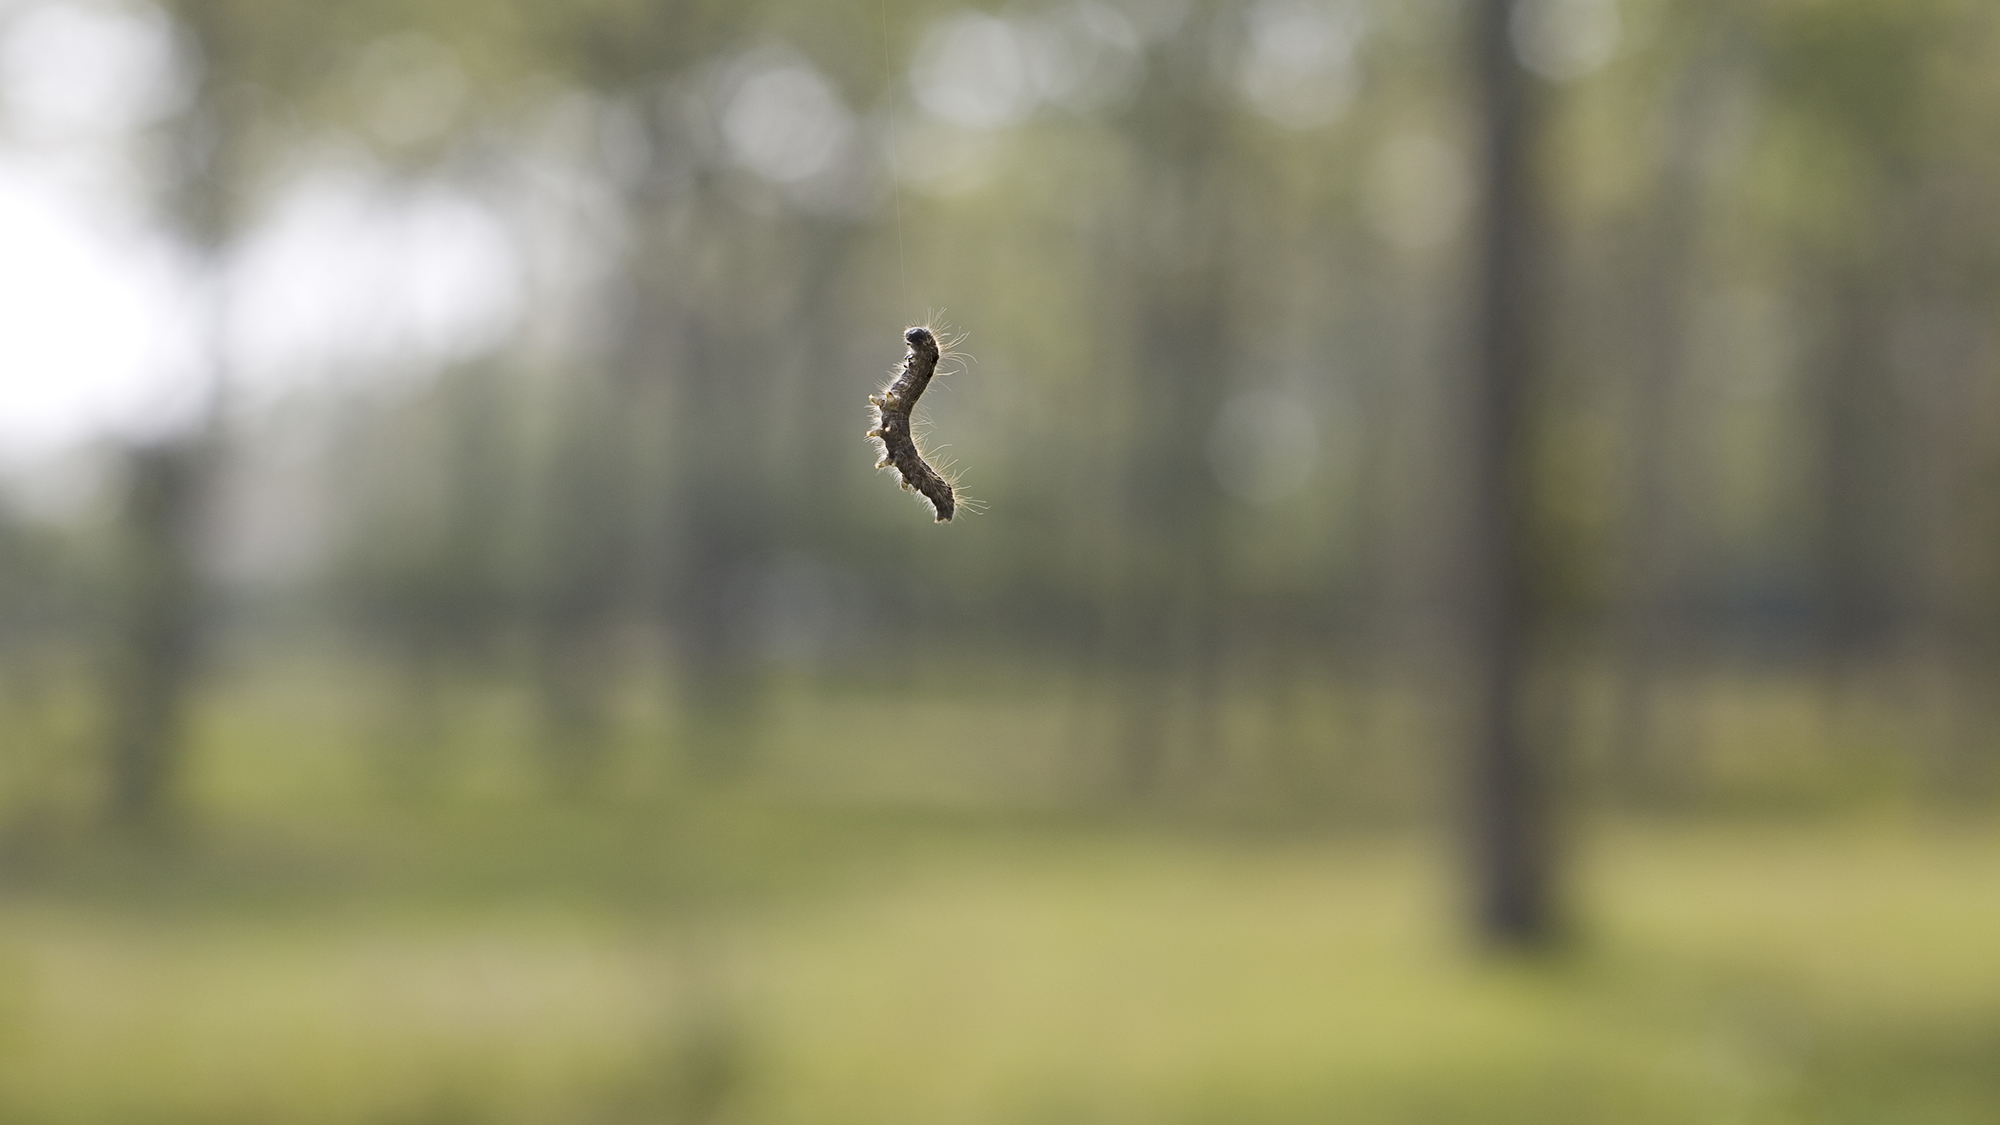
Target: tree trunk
{"type": "Point", "coordinates": [1509, 838]}
{"type": "Point", "coordinates": [1645, 766]}
{"type": "Point", "coordinates": [157, 627]}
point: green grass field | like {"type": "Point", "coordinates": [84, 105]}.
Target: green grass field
{"type": "Point", "coordinates": [758, 965]}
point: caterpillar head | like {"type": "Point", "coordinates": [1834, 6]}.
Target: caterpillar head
{"type": "Point", "coordinates": [921, 339]}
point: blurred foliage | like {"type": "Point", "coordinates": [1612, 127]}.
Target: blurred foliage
{"type": "Point", "coordinates": [1210, 261]}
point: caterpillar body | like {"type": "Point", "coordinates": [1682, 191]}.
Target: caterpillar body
{"type": "Point", "coordinates": [892, 424]}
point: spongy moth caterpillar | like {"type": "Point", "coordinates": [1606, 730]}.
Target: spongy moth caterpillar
{"type": "Point", "coordinates": [892, 424]}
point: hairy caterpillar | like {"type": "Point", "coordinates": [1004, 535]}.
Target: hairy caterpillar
{"type": "Point", "coordinates": [892, 424]}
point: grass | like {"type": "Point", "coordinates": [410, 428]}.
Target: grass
{"type": "Point", "coordinates": [763, 966]}
{"type": "Point", "coordinates": [915, 931]}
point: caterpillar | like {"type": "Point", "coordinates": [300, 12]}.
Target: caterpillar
{"type": "Point", "coordinates": [892, 424]}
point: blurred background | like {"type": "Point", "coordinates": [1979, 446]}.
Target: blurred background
{"type": "Point", "coordinates": [1486, 606]}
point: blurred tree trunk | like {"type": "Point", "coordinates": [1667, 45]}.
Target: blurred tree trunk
{"type": "Point", "coordinates": [158, 624]}
{"type": "Point", "coordinates": [1649, 628]}
{"type": "Point", "coordinates": [583, 569]}
{"type": "Point", "coordinates": [716, 536]}
{"type": "Point", "coordinates": [1858, 474]}
{"type": "Point", "coordinates": [719, 477]}
{"type": "Point", "coordinates": [1510, 839]}
{"type": "Point", "coordinates": [1862, 74]}
{"type": "Point", "coordinates": [1941, 345]}
{"type": "Point", "coordinates": [1168, 613]}
{"type": "Point", "coordinates": [159, 618]}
